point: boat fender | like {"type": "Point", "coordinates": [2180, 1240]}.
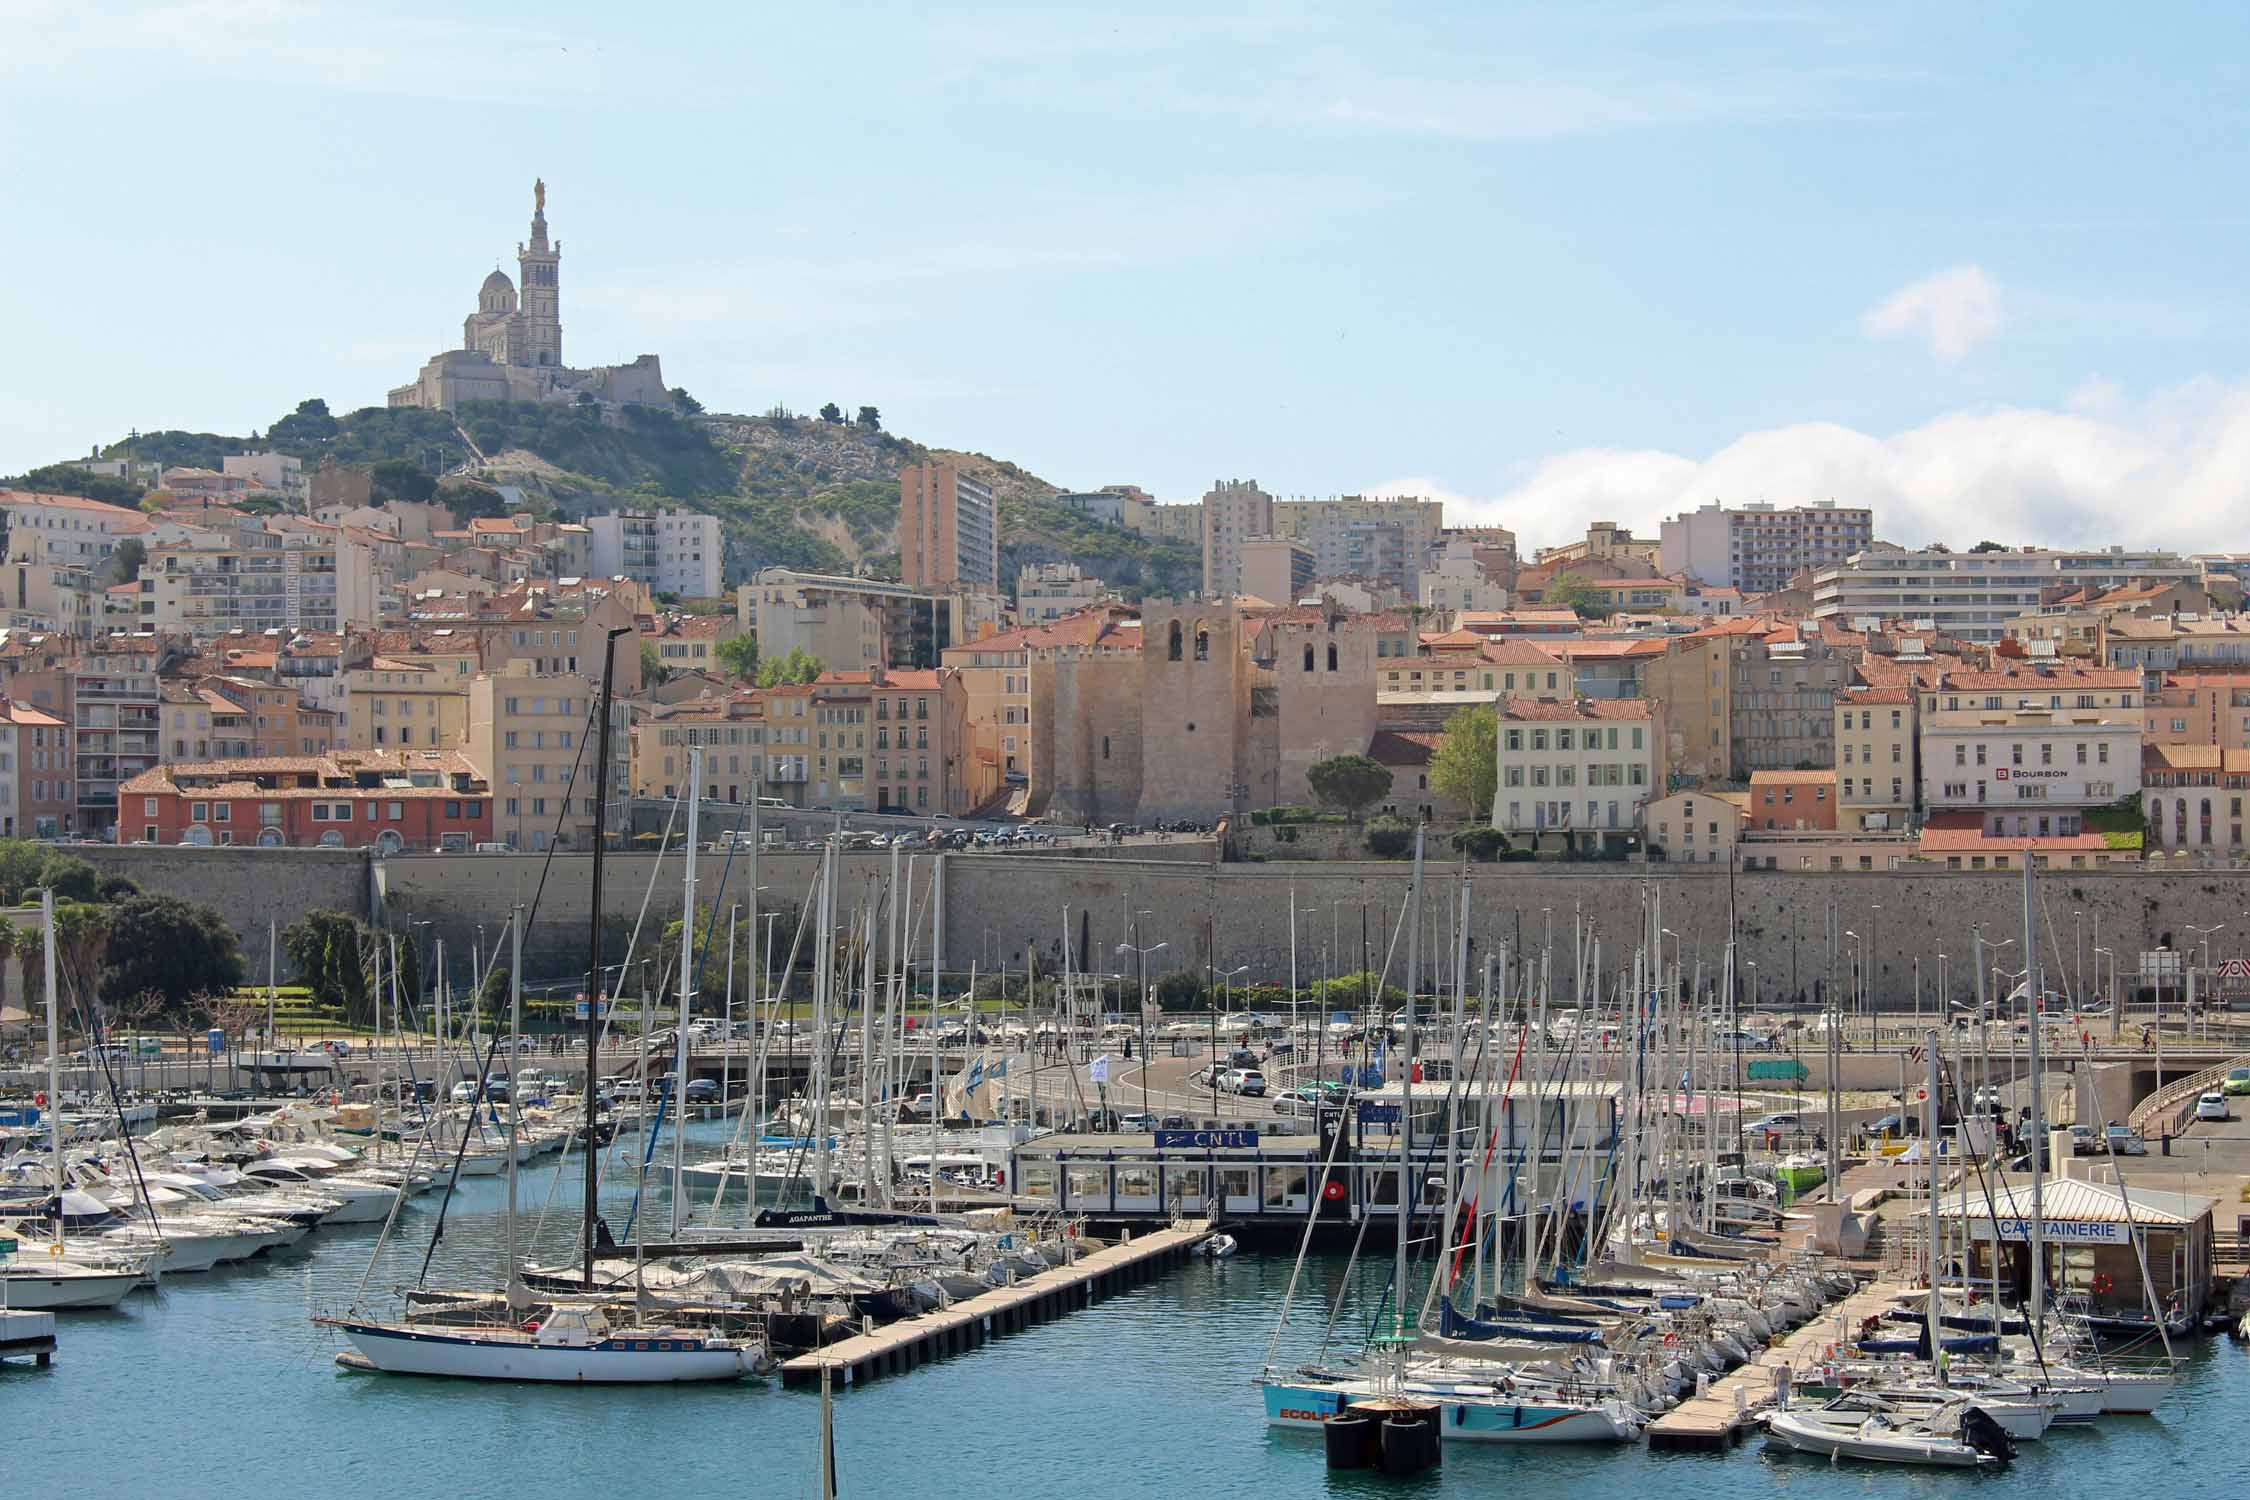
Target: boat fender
{"type": "Point", "coordinates": [40, 1098]}
{"type": "Point", "coordinates": [531, 1325]}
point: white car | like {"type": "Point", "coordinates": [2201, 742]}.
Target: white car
{"type": "Point", "coordinates": [2212, 1106]}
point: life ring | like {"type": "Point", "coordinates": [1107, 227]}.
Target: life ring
{"type": "Point", "coordinates": [1670, 1339]}
{"type": "Point", "coordinates": [55, 1249]}
{"type": "Point", "coordinates": [2101, 1284]}
{"type": "Point", "coordinates": [1332, 1191]}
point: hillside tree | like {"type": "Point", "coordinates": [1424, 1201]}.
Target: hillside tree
{"type": "Point", "coordinates": [1466, 767]}
{"type": "Point", "coordinates": [1351, 782]}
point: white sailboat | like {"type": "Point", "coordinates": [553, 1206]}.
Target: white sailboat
{"type": "Point", "coordinates": [570, 1343]}
{"type": "Point", "coordinates": [54, 1279]}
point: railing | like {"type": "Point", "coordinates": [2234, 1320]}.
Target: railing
{"type": "Point", "coordinates": [2169, 1105]}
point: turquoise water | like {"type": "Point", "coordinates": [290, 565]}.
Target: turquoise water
{"type": "Point", "coordinates": [219, 1386]}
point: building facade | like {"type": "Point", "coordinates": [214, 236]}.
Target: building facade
{"type": "Point", "coordinates": [677, 552]}
{"type": "Point", "coordinates": [1758, 548]}
{"type": "Point", "coordinates": [948, 530]}
{"type": "Point", "coordinates": [1974, 595]}
{"type": "Point", "coordinates": [1574, 766]}
{"type": "Point", "coordinates": [395, 801]}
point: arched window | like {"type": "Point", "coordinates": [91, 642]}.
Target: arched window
{"type": "Point", "coordinates": [1308, 657]}
{"type": "Point", "coordinates": [1174, 652]}
{"type": "Point", "coordinates": [1202, 641]}
{"type": "Point", "coordinates": [1331, 656]}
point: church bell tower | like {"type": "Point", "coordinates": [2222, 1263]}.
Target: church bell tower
{"type": "Point", "coordinates": [538, 286]}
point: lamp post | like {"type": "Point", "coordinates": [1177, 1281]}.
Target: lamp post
{"type": "Point", "coordinates": [1859, 970]}
{"type": "Point", "coordinates": [2205, 934]}
{"type": "Point", "coordinates": [1141, 955]}
{"type": "Point", "coordinates": [2099, 954]}
{"type": "Point", "coordinates": [1226, 990]}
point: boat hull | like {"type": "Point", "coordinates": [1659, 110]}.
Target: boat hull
{"type": "Point", "coordinates": [34, 1292]}
{"type": "Point", "coordinates": [613, 1361]}
{"type": "Point", "coordinates": [1306, 1408]}
{"type": "Point", "coordinates": [1805, 1436]}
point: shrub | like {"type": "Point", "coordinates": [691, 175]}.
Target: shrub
{"type": "Point", "coordinates": [1389, 838]}
{"type": "Point", "coordinates": [1480, 843]}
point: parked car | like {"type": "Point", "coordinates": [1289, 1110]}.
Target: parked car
{"type": "Point", "coordinates": [702, 1091]}
{"type": "Point", "coordinates": [2083, 1141]}
{"type": "Point", "coordinates": [1782, 1124]}
{"type": "Point", "coordinates": [2213, 1106]}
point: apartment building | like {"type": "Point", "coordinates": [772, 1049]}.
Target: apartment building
{"type": "Point", "coordinates": [852, 624]}
{"type": "Point", "coordinates": [2200, 708]}
{"type": "Point", "coordinates": [1875, 739]}
{"type": "Point", "coordinates": [992, 679]}
{"type": "Point", "coordinates": [1574, 766]}
{"type": "Point", "coordinates": [1233, 511]}
{"type": "Point", "coordinates": [209, 582]}
{"type": "Point", "coordinates": [1049, 591]}
{"type": "Point", "coordinates": [1277, 569]}
{"type": "Point", "coordinates": [1793, 801]}
{"type": "Point", "coordinates": [817, 739]}
{"type": "Point", "coordinates": [679, 552]}
{"type": "Point", "coordinates": [67, 531]}
{"type": "Point", "coordinates": [690, 643]}
{"type": "Point", "coordinates": [1785, 686]}
{"type": "Point", "coordinates": [729, 728]}
{"type": "Point", "coordinates": [918, 719]}
{"type": "Point", "coordinates": [224, 717]}
{"type": "Point", "coordinates": [949, 530]}
{"type": "Point", "coordinates": [109, 698]}
{"type": "Point", "coordinates": [1973, 595]}
{"type": "Point", "coordinates": [406, 702]}
{"type": "Point", "coordinates": [1695, 828]}
{"type": "Point", "coordinates": [2022, 761]}
{"type": "Point", "coordinates": [2191, 797]}
{"type": "Point", "coordinates": [41, 798]}
{"type": "Point", "coordinates": [1381, 537]}
{"type": "Point", "coordinates": [392, 801]}
{"type": "Point", "coordinates": [526, 737]}
{"type": "Point", "coordinates": [1758, 548]}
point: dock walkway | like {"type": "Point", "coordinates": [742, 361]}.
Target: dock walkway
{"type": "Point", "coordinates": [1719, 1416]}
{"type": "Point", "coordinates": [900, 1346]}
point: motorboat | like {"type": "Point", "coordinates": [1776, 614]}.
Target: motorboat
{"type": "Point", "coordinates": [1956, 1435]}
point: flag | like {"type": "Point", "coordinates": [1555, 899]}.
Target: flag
{"type": "Point", "coordinates": [1099, 1071]}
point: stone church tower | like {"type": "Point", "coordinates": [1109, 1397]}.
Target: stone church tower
{"type": "Point", "coordinates": [542, 310]}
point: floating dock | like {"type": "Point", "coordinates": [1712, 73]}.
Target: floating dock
{"type": "Point", "coordinates": [1722, 1413]}
{"type": "Point", "coordinates": [27, 1335]}
{"type": "Point", "coordinates": [900, 1346]}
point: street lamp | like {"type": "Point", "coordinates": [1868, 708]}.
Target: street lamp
{"type": "Point", "coordinates": [2205, 933]}
{"type": "Point", "coordinates": [1859, 968]}
{"type": "Point", "coordinates": [1141, 954]}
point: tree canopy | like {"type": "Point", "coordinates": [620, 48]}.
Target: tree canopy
{"type": "Point", "coordinates": [1351, 782]}
{"type": "Point", "coordinates": [175, 951]}
{"type": "Point", "coordinates": [739, 655]}
{"type": "Point", "coordinates": [328, 950]}
{"type": "Point", "coordinates": [1574, 591]}
{"type": "Point", "coordinates": [799, 666]}
{"type": "Point", "coordinates": [1466, 767]}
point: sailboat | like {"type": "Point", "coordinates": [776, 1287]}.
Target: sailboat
{"type": "Point", "coordinates": [569, 1342]}
{"type": "Point", "coordinates": [1483, 1402]}
{"type": "Point", "coordinates": [53, 1278]}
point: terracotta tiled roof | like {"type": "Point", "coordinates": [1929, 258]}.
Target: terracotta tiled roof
{"type": "Point", "coordinates": [1792, 778]}
{"type": "Point", "coordinates": [1403, 747]}
{"type": "Point", "coordinates": [1583, 708]}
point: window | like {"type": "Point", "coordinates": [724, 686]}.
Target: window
{"type": "Point", "coordinates": [222, 812]}
{"type": "Point", "coordinates": [199, 812]}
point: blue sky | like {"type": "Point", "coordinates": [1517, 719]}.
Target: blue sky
{"type": "Point", "coordinates": [1977, 266]}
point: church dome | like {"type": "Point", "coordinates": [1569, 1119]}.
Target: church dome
{"type": "Point", "coordinates": [498, 294]}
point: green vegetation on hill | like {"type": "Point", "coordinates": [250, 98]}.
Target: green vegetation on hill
{"type": "Point", "coordinates": [790, 491]}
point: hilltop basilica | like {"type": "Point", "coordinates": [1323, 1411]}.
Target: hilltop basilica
{"type": "Point", "coordinates": [512, 351]}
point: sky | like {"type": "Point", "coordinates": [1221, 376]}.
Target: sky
{"type": "Point", "coordinates": [1978, 267]}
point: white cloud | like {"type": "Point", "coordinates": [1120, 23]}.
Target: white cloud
{"type": "Point", "coordinates": [1952, 312]}
{"type": "Point", "coordinates": [2172, 469]}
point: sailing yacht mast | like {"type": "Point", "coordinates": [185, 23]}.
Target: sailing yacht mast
{"type": "Point", "coordinates": [1406, 1109]}
{"type": "Point", "coordinates": [687, 993]}
{"type": "Point", "coordinates": [515, 1106]}
{"type": "Point", "coordinates": [594, 942]}
{"type": "Point", "coordinates": [2038, 1109]}
{"type": "Point", "coordinates": [54, 1050]}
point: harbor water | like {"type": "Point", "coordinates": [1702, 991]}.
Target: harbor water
{"type": "Point", "coordinates": [219, 1385]}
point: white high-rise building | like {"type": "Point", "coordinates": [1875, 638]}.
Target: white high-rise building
{"type": "Point", "coordinates": [672, 551]}
{"type": "Point", "coordinates": [1759, 548]}
{"type": "Point", "coordinates": [1973, 595]}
